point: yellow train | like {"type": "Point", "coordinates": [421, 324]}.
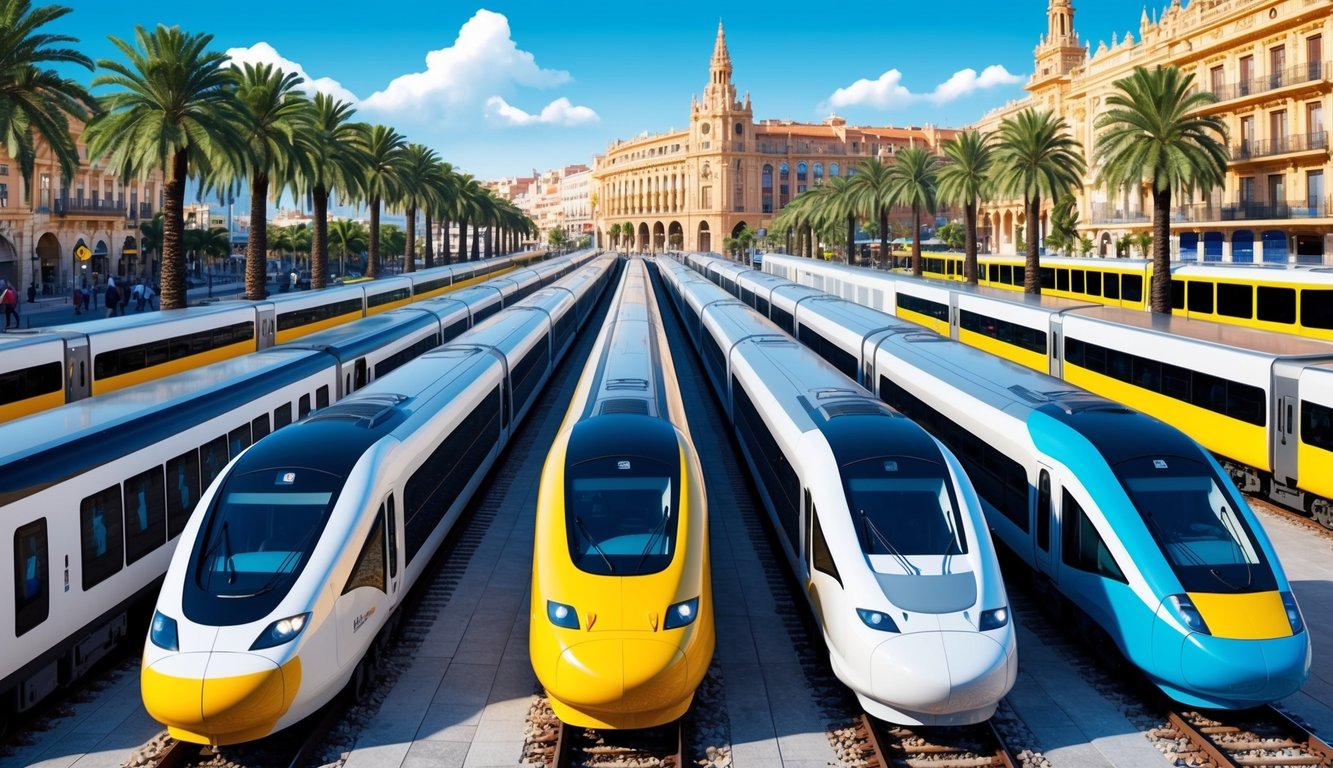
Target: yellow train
{"type": "Point", "coordinates": [1294, 300]}
{"type": "Point", "coordinates": [621, 626]}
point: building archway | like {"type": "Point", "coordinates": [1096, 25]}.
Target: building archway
{"type": "Point", "coordinates": [101, 252]}
{"type": "Point", "coordinates": [1189, 246]}
{"type": "Point", "coordinates": [1242, 246]}
{"type": "Point", "coordinates": [48, 264]}
{"type": "Point", "coordinates": [704, 237]}
{"type": "Point", "coordinates": [1212, 246]}
{"type": "Point", "coordinates": [659, 237]}
{"type": "Point", "coordinates": [1275, 246]}
{"type": "Point", "coordinates": [1106, 245]}
{"type": "Point", "coordinates": [675, 236]}
{"type": "Point", "coordinates": [9, 262]}
{"type": "Point", "coordinates": [641, 240]}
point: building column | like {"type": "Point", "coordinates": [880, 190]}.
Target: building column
{"type": "Point", "coordinates": [1198, 246]}
{"type": "Point", "coordinates": [1226, 246]}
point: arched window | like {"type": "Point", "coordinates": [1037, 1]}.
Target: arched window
{"type": "Point", "coordinates": [833, 169]}
{"type": "Point", "coordinates": [819, 174]}
{"type": "Point", "coordinates": [766, 180]}
{"type": "Point", "coordinates": [801, 170]}
{"type": "Point", "coordinates": [766, 188]}
{"type": "Point", "coordinates": [784, 172]}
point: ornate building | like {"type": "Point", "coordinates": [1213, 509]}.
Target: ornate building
{"type": "Point", "coordinates": [691, 189]}
{"type": "Point", "coordinates": [1264, 61]}
{"type": "Point", "coordinates": [54, 236]}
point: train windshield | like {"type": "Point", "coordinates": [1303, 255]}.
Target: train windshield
{"type": "Point", "coordinates": [260, 532]}
{"type": "Point", "coordinates": [904, 507]}
{"type": "Point", "coordinates": [621, 516]}
{"type": "Point", "coordinates": [1209, 544]}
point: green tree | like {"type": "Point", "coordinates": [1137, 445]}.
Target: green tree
{"type": "Point", "coordinates": [1152, 130]}
{"type": "Point", "coordinates": [337, 164]}
{"type": "Point", "coordinates": [1085, 245]}
{"type": "Point", "coordinates": [150, 238]}
{"type": "Point", "coordinates": [1036, 156]}
{"type": "Point", "coordinates": [1063, 232]}
{"type": "Point", "coordinates": [871, 187]}
{"type": "Point", "coordinates": [35, 100]}
{"type": "Point", "coordinates": [1144, 241]}
{"type": "Point", "coordinates": [914, 182]}
{"type": "Point", "coordinates": [384, 148]}
{"type": "Point", "coordinates": [436, 201]}
{"type": "Point", "coordinates": [614, 234]}
{"type": "Point", "coordinates": [966, 179]}
{"type": "Point", "coordinates": [417, 184]}
{"type": "Point", "coordinates": [349, 237]}
{"type": "Point", "coordinates": [557, 237]}
{"type": "Point", "coordinates": [953, 234]}
{"type": "Point", "coordinates": [173, 109]}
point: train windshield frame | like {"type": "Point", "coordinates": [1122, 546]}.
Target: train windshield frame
{"type": "Point", "coordinates": [256, 539]}
{"type": "Point", "coordinates": [622, 515]}
{"type": "Point", "coordinates": [904, 507]}
{"type": "Point", "coordinates": [1208, 543]}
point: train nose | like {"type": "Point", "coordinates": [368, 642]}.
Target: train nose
{"type": "Point", "coordinates": [1230, 673]}
{"type": "Point", "coordinates": [219, 698]}
{"type": "Point", "coordinates": [625, 675]}
{"type": "Point", "coordinates": [939, 673]}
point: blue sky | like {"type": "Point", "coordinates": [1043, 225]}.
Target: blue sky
{"type": "Point", "coordinates": [502, 88]}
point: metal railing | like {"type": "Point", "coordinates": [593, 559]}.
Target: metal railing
{"type": "Point", "coordinates": [1297, 142]}
{"type": "Point", "coordinates": [1294, 75]}
{"type": "Point", "coordinates": [1112, 213]}
{"type": "Point", "coordinates": [65, 206]}
{"type": "Point", "coordinates": [141, 211]}
{"type": "Point", "coordinates": [1254, 211]}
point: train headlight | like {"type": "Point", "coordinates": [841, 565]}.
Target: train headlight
{"type": "Point", "coordinates": [281, 631]}
{"type": "Point", "coordinates": [877, 620]}
{"type": "Point", "coordinates": [1188, 614]}
{"type": "Point", "coordinates": [993, 619]}
{"type": "Point", "coordinates": [682, 614]}
{"type": "Point", "coordinates": [1293, 613]}
{"type": "Point", "coordinates": [164, 633]}
{"type": "Point", "coordinates": [562, 615]}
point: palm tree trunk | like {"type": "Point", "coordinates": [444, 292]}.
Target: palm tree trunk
{"type": "Point", "coordinates": [373, 257]}
{"type": "Point", "coordinates": [970, 242]}
{"type": "Point", "coordinates": [1161, 251]}
{"type": "Point", "coordinates": [430, 244]}
{"type": "Point", "coordinates": [319, 239]}
{"type": "Point", "coordinates": [885, 256]}
{"type": "Point", "coordinates": [173, 234]}
{"type": "Point", "coordinates": [462, 239]}
{"type": "Point", "coordinates": [476, 244]}
{"type": "Point", "coordinates": [851, 239]}
{"type": "Point", "coordinates": [916, 241]}
{"type": "Point", "coordinates": [256, 246]}
{"type": "Point", "coordinates": [410, 257]}
{"type": "Point", "coordinates": [490, 241]}
{"type": "Point", "coordinates": [446, 255]}
{"type": "Point", "coordinates": [1032, 267]}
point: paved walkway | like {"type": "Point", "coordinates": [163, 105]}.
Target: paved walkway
{"type": "Point", "coordinates": [1308, 560]}
{"type": "Point", "coordinates": [59, 310]}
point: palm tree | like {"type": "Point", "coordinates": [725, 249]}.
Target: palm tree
{"type": "Point", "coordinates": [1150, 132]}
{"type": "Point", "coordinates": [150, 236]}
{"type": "Point", "coordinates": [465, 210]}
{"type": "Point", "coordinates": [337, 164]}
{"type": "Point", "coordinates": [870, 186]}
{"type": "Point", "coordinates": [437, 200]}
{"type": "Point", "coordinates": [350, 238]}
{"type": "Point", "coordinates": [174, 111]}
{"type": "Point", "coordinates": [1062, 235]}
{"type": "Point", "coordinates": [614, 234]}
{"type": "Point", "coordinates": [273, 113]}
{"type": "Point", "coordinates": [839, 203]}
{"type": "Point", "coordinates": [417, 183]}
{"type": "Point", "coordinates": [1036, 156]}
{"type": "Point", "coordinates": [385, 148]}
{"type": "Point", "coordinates": [37, 101]}
{"type": "Point", "coordinates": [965, 179]}
{"type": "Point", "coordinates": [913, 181]}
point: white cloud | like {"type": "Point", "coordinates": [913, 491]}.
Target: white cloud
{"type": "Point", "coordinates": [558, 112]}
{"type": "Point", "coordinates": [888, 92]}
{"type": "Point", "coordinates": [264, 53]}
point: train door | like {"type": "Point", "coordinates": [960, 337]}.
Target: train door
{"type": "Point", "coordinates": [1055, 353]}
{"type": "Point", "coordinates": [361, 373]}
{"type": "Point", "coordinates": [266, 328]}
{"type": "Point", "coordinates": [1285, 439]}
{"type": "Point", "coordinates": [363, 603]}
{"type": "Point", "coordinates": [823, 586]}
{"type": "Point", "coordinates": [78, 369]}
{"type": "Point", "coordinates": [1046, 512]}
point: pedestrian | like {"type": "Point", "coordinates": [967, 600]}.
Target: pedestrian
{"type": "Point", "coordinates": [136, 293]}
{"type": "Point", "coordinates": [148, 295]}
{"type": "Point", "coordinates": [111, 298]}
{"type": "Point", "coordinates": [10, 299]}
{"type": "Point", "coordinates": [90, 293]}
{"type": "Point", "coordinates": [32, 293]}
{"type": "Point", "coordinates": [77, 298]}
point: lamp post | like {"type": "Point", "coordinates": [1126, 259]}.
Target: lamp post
{"type": "Point", "coordinates": [35, 258]}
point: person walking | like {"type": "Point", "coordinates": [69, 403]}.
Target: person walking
{"type": "Point", "coordinates": [10, 299]}
{"type": "Point", "coordinates": [77, 298]}
{"type": "Point", "coordinates": [136, 293]}
{"type": "Point", "coordinates": [148, 295]}
{"type": "Point", "coordinates": [111, 298]}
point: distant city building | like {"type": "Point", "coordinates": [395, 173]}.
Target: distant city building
{"type": "Point", "coordinates": [1265, 63]}
{"type": "Point", "coordinates": [576, 201]}
{"type": "Point", "coordinates": [693, 188]}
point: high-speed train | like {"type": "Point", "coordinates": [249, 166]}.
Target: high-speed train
{"type": "Point", "coordinates": [1261, 401]}
{"type": "Point", "coordinates": [43, 368]}
{"type": "Point", "coordinates": [1134, 523]}
{"type": "Point", "coordinates": [290, 572]}
{"type": "Point", "coordinates": [1295, 300]}
{"type": "Point", "coordinates": [877, 519]}
{"type": "Point", "coordinates": [93, 494]}
{"type": "Point", "coordinates": [621, 626]}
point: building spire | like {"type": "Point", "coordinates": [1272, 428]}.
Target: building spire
{"type": "Point", "coordinates": [721, 57]}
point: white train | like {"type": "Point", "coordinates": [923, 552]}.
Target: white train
{"type": "Point", "coordinates": [93, 494]}
{"type": "Point", "coordinates": [876, 518]}
{"type": "Point", "coordinates": [291, 571]}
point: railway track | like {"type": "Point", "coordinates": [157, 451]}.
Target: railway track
{"type": "Point", "coordinates": [1291, 515]}
{"type": "Point", "coordinates": [973, 746]}
{"type": "Point", "coordinates": [1257, 737]}
{"type": "Point", "coordinates": [591, 748]}
{"type": "Point", "coordinates": [294, 748]}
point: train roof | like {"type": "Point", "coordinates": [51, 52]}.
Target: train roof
{"type": "Point", "coordinates": [331, 439]}
{"type": "Point", "coordinates": [604, 437]}
{"type": "Point", "coordinates": [1214, 333]}
{"type": "Point", "coordinates": [366, 335]}
{"type": "Point", "coordinates": [148, 320]}
{"type": "Point", "coordinates": [1105, 428]}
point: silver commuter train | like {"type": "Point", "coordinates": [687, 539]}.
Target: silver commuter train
{"type": "Point", "coordinates": [290, 574]}
{"type": "Point", "coordinates": [877, 519]}
{"type": "Point", "coordinates": [82, 562]}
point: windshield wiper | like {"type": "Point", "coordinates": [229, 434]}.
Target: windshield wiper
{"type": "Point", "coordinates": [1236, 543]}
{"type": "Point", "coordinates": [227, 553]}
{"type": "Point", "coordinates": [224, 541]}
{"type": "Point", "coordinates": [666, 515]}
{"type": "Point", "coordinates": [578, 521]}
{"type": "Point", "coordinates": [900, 557]}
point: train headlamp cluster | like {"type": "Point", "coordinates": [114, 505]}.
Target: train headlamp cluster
{"type": "Point", "coordinates": [993, 619]}
{"type": "Point", "coordinates": [1293, 613]}
{"type": "Point", "coordinates": [281, 631]}
{"type": "Point", "coordinates": [877, 620]}
{"type": "Point", "coordinates": [164, 633]}
{"type": "Point", "coordinates": [1188, 614]}
{"type": "Point", "coordinates": [562, 615]}
{"type": "Point", "coordinates": [682, 614]}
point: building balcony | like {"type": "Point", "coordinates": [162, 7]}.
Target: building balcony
{"type": "Point", "coordinates": [1253, 211]}
{"type": "Point", "coordinates": [141, 211]}
{"type": "Point", "coordinates": [83, 206]}
{"type": "Point", "coordinates": [1296, 143]}
{"type": "Point", "coordinates": [1113, 213]}
{"type": "Point", "coordinates": [1300, 74]}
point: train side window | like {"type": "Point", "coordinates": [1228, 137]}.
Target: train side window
{"type": "Point", "coordinates": [1176, 382]}
{"type": "Point", "coordinates": [369, 568]}
{"type": "Point", "coordinates": [212, 459]}
{"type": "Point", "coordinates": [100, 536]}
{"type": "Point", "coordinates": [1077, 281]}
{"type": "Point", "coordinates": [1276, 305]}
{"type": "Point", "coordinates": [238, 440]}
{"type": "Point", "coordinates": [1048, 277]}
{"type": "Point", "coordinates": [322, 397]}
{"type": "Point", "coordinates": [32, 583]}
{"type": "Point", "coordinates": [183, 491]}
{"type": "Point", "coordinates": [1236, 300]}
{"type": "Point", "coordinates": [1245, 403]}
{"type": "Point", "coordinates": [1147, 374]}
{"type": "Point", "coordinates": [1062, 279]}
{"type": "Point", "coordinates": [1044, 511]}
{"type": "Point", "coordinates": [823, 557]}
{"type": "Point", "coordinates": [303, 406]}
{"type": "Point", "coordinates": [392, 523]}
{"type": "Point", "coordinates": [1094, 283]}
{"type": "Point", "coordinates": [1007, 274]}
{"type": "Point", "coordinates": [1020, 274]}
{"type": "Point", "coordinates": [1082, 546]}
{"type": "Point", "coordinates": [1178, 294]}
{"type": "Point", "coordinates": [145, 514]}
{"type": "Point", "coordinates": [259, 427]}
{"type": "Point", "coordinates": [282, 416]}
{"type": "Point", "coordinates": [1199, 296]}
{"type": "Point", "coordinates": [1317, 308]}
{"type": "Point", "coordinates": [776, 475]}
{"type": "Point", "coordinates": [1111, 285]}
{"type": "Point", "coordinates": [1131, 288]}
{"type": "Point", "coordinates": [1317, 425]}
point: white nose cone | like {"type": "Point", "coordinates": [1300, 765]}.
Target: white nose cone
{"type": "Point", "coordinates": [939, 677]}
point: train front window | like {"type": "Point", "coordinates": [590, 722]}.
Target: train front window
{"type": "Point", "coordinates": [904, 508]}
{"type": "Point", "coordinates": [1208, 543]}
{"type": "Point", "coordinates": [621, 516]}
{"type": "Point", "coordinates": [261, 531]}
